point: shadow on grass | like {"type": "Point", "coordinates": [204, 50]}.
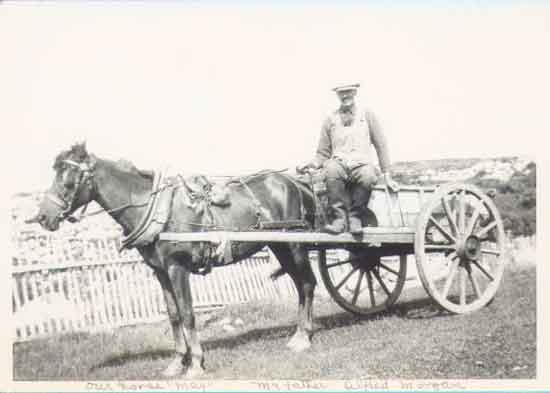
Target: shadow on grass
{"type": "Point", "coordinates": [130, 357]}
{"type": "Point", "coordinates": [411, 309]}
{"type": "Point", "coordinates": [419, 309]}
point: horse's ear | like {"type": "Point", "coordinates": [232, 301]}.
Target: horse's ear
{"type": "Point", "coordinates": [92, 160]}
{"type": "Point", "coordinates": [82, 147]}
{"type": "Point", "coordinates": [79, 150]}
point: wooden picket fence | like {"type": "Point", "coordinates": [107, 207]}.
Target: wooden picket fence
{"type": "Point", "coordinates": [77, 284]}
{"type": "Point", "coordinates": [108, 290]}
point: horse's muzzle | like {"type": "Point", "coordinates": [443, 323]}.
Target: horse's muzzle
{"type": "Point", "coordinates": [36, 219]}
{"type": "Point", "coordinates": [42, 219]}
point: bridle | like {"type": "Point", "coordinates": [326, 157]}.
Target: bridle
{"type": "Point", "coordinates": [84, 178]}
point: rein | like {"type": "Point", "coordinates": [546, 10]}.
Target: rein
{"type": "Point", "coordinates": [82, 215]}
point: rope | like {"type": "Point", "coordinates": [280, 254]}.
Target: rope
{"type": "Point", "coordinates": [247, 178]}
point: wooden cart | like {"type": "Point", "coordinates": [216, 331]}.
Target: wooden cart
{"type": "Point", "coordinates": [454, 231]}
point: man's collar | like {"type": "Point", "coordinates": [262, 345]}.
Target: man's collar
{"type": "Point", "coordinates": [347, 109]}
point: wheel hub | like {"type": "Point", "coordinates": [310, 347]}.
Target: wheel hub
{"type": "Point", "coordinates": [363, 259]}
{"type": "Point", "coordinates": [469, 247]}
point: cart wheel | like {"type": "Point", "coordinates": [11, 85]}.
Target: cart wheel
{"type": "Point", "coordinates": [360, 283]}
{"type": "Point", "coordinates": [459, 248]}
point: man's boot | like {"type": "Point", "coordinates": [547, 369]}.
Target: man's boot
{"type": "Point", "coordinates": [338, 200]}
{"type": "Point", "coordinates": [359, 199]}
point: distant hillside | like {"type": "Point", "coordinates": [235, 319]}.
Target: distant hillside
{"type": "Point", "coordinates": [514, 180]}
{"type": "Point", "coordinates": [442, 171]}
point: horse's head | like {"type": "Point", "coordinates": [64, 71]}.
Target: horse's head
{"type": "Point", "coordinates": [72, 187]}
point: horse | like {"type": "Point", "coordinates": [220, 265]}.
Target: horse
{"type": "Point", "coordinates": [123, 191]}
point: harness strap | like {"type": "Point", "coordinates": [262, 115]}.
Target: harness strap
{"type": "Point", "coordinates": [83, 166]}
{"type": "Point", "coordinates": [56, 200]}
{"type": "Point", "coordinates": [151, 205]}
{"type": "Point", "coordinates": [204, 196]}
{"type": "Point", "coordinates": [84, 177]}
{"type": "Point", "coordinates": [255, 201]}
{"type": "Point", "coordinates": [300, 195]}
{"type": "Point", "coordinates": [203, 252]}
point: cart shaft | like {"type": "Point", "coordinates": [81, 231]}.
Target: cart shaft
{"type": "Point", "coordinates": [371, 235]}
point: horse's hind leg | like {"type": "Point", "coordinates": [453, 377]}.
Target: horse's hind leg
{"type": "Point", "coordinates": [294, 260]}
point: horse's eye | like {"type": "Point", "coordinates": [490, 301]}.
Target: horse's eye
{"type": "Point", "coordinates": [59, 171]}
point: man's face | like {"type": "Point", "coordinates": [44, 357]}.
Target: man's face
{"type": "Point", "coordinates": [346, 97]}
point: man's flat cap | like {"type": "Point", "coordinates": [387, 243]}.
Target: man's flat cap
{"type": "Point", "coordinates": [348, 87]}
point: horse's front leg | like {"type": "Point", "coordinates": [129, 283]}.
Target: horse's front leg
{"type": "Point", "coordinates": [176, 366]}
{"type": "Point", "coordinates": [179, 278]}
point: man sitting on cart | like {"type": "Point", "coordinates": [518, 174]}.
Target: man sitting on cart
{"type": "Point", "coordinates": [344, 152]}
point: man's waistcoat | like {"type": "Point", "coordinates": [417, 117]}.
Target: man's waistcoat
{"type": "Point", "coordinates": [352, 143]}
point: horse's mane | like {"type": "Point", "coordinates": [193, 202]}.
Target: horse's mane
{"type": "Point", "coordinates": [78, 153]}
{"type": "Point", "coordinates": [128, 166]}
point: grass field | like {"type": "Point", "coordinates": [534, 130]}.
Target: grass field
{"type": "Point", "coordinates": [414, 340]}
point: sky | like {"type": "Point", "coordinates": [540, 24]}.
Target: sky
{"type": "Point", "coordinates": [238, 88]}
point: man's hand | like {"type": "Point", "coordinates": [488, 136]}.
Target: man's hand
{"type": "Point", "coordinates": [303, 168]}
{"type": "Point", "coordinates": [390, 183]}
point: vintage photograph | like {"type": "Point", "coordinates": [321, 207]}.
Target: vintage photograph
{"type": "Point", "coordinates": [290, 196]}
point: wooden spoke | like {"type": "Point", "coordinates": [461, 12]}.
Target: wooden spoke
{"type": "Point", "coordinates": [492, 252]}
{"type": "Point", "coordinates": [334, 264]}
{"type": "Point", "coordinates": [462, 274]}
{"type": "Point", "coordinates": [483, 231]}
{"type": "Point", "coordinates": [346, 278]}
{"type": "Point", "coordinates": [348, 287]}
{"type": "Point", "coordinates": [452, 256]}
{"type": "Point", "coordinates": [454, 209]}
{"type": "Point", "coordinates": [475, 224]}
{"type": "Point", "coordinates": [489, 276]}
{"type": "Point", "coordinates": [371, 289]}
{"type": "Point", "coordinates": [357, 288]}
{"type": "Point", "coordinates": [450, 277]}
{"type": "Point", "coordinates": [442, 230]}
{"type": "Point", "coordinates": [475, 286]}
{"type": "Point", "coordinates": [388, 269]}
{"type": "Point", "coordinates": [384, 287]}
{"type": "Point", "coordinates": [440, 247]}
{"type": "Point", "coordinates": [473, 220]}
{"type": "Point", "coordinates": [462, 211]}
{"type": "Point", "coordinates": [449, 215]}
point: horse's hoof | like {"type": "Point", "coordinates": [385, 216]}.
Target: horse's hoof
{"type": "Point", "coordinates": [300, 346]}
{"type": "Point", "coordinates": [299, 343]}
{"type": "Point", "coordinates": [194, 372]}
{"type": "Point", "coordinates": [174, 369]}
